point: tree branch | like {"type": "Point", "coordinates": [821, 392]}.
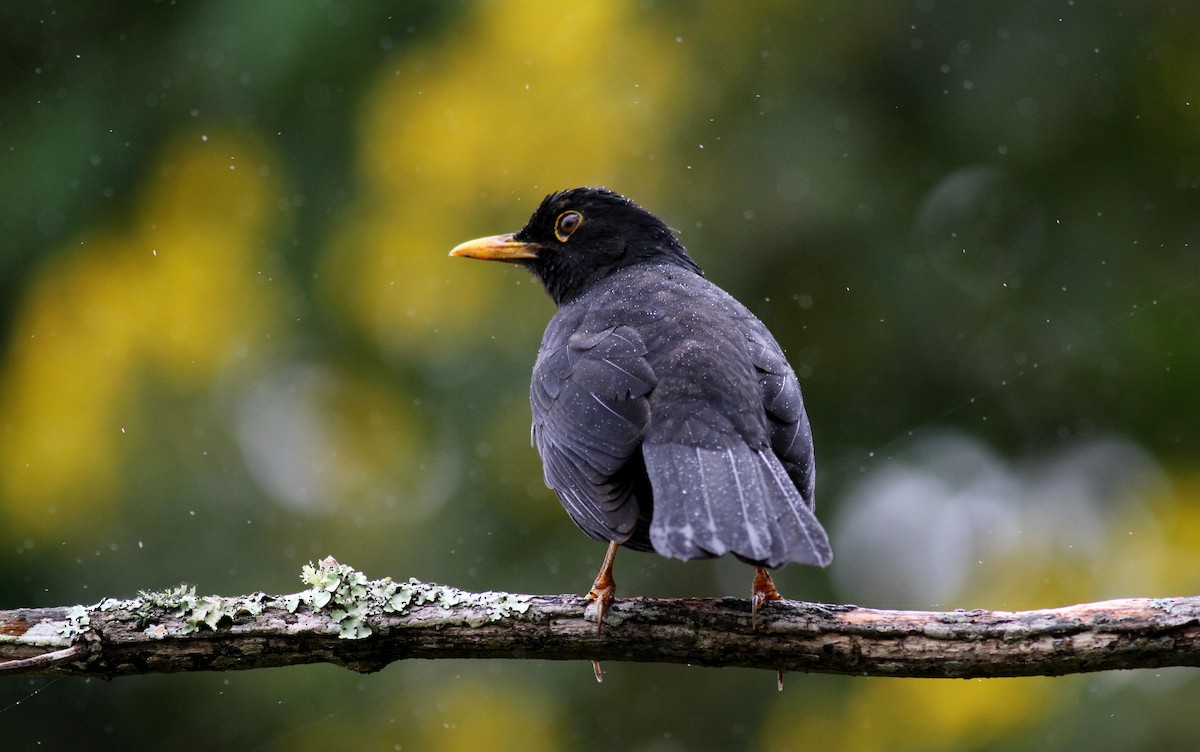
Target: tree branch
{"type": "Point", "coordinates": [346, 619]}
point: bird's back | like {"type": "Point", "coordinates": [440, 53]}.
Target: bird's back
{"type": "Point", "coordinates": [724, 448]}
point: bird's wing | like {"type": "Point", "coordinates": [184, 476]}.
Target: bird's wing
{"type": "Point", "coordinates": [589, 413]}
{"type": "Point", "coordinates": [791, 435]}
{"type": "Point", "coordinates": [717, 491]}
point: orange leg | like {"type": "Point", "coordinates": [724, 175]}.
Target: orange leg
{"type": "Point", "coordinates": [605, 588]}
{"type": "Point", "coordinates": [763, 591]}
{"type": "Point", "coordinates": [602, 592]}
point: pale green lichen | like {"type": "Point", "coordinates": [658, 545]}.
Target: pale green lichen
{"type": "Point", "coordinates": [209, 610]}
{"type": "Point", "coordinates": [78, 622]}
{"type": "Point", "coordinates": [182, 602]}
{"type": "Point", "coordinates": [350, 598]}
{"type": "Point", "coordinates": [354, 598]}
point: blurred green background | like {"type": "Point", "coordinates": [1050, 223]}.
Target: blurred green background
{"type": "Point", "coordinates": [232, 342]}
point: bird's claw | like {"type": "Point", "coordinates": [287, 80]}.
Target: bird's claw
{"type": "Point", "coordinates": [602, 594]}
{"type": "Point", "coordinates": [604, 589]}
{"type": "Point", "coordinates": [763, 591]}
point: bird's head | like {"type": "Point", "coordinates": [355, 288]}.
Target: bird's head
{"type": "Point", "coordinates": [578, 237]}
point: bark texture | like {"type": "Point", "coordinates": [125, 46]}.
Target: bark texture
{"type": "Point", "coordinates": [381, 621]}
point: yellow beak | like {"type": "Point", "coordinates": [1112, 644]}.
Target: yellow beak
{"type": "Point", "coordinates": [496, 248]}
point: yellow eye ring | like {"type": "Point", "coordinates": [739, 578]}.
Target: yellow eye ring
{"type": "Point", "coordinates": [566, 224]}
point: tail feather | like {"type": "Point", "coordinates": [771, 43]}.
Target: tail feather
{"type": "Point", "coordinates": [709, 502]}
{"type": "Point", "coordinates": [794, 524]}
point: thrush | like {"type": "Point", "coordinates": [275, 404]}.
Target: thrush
{"type": "Point", "coordinates": [666, 415]}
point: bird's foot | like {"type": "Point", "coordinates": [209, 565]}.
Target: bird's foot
{"type": "Point", "coordinates": [604, 589]}
{"type": "Point", "coordinates": [763, 591]}
{"type": "Point", "coordinates": [603, 595]}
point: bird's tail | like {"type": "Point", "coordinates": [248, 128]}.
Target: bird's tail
{"type": "Point", "coordinates": [709, 502]}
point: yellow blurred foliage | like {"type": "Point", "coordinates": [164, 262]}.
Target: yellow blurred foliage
{"type": "Point", "coordinates": [524, 98]}
{"type": "Point", "coordinates": [514, 468]}
{"type": "Point", "coordinates": [177, 294]}
{"type": "Point", "coordinates": [1151, 548]}
{"type": "Point", "coordinates": [476, 715]}
{"type": "Point", "coordinates": [908, 714]}
{"type": "Point", "coordinates": [1029, 577]}
{"type": "Point", "coordinates": [1156, 551]}
{"type": "Point", "coordinates": [469, 715]}
{"type": "Point", "coordinates": [378, 442]}
{"type": "Point", "coordinates": [320, 439]}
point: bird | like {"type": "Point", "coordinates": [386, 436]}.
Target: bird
{"type": "Point", "coordinates": [666, 414]}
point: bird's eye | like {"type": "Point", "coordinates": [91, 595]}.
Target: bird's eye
{"type": "Point", "coordinates": [567, 223]}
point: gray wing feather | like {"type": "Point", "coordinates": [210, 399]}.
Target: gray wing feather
{"type": "Point", "coordinates": [589, 414]}
{"type": "Point", "coordinates": [790, 432]}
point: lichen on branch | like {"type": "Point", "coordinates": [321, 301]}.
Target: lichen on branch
{"type": "Point", "coordinates": [344, 617]}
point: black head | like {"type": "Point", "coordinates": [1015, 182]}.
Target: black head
{"type": "Point", "coordinates": [580, 236]}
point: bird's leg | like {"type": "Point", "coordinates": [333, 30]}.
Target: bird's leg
{"type": "Point", "coordinates": [763, 591]}
{"type": "Point", "coordinates": [602, 592]}
{"type": "Point", "coordinates": [604, 588]}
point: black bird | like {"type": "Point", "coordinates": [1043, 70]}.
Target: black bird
{"type": "Point", "coordinates": [666, 415]}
